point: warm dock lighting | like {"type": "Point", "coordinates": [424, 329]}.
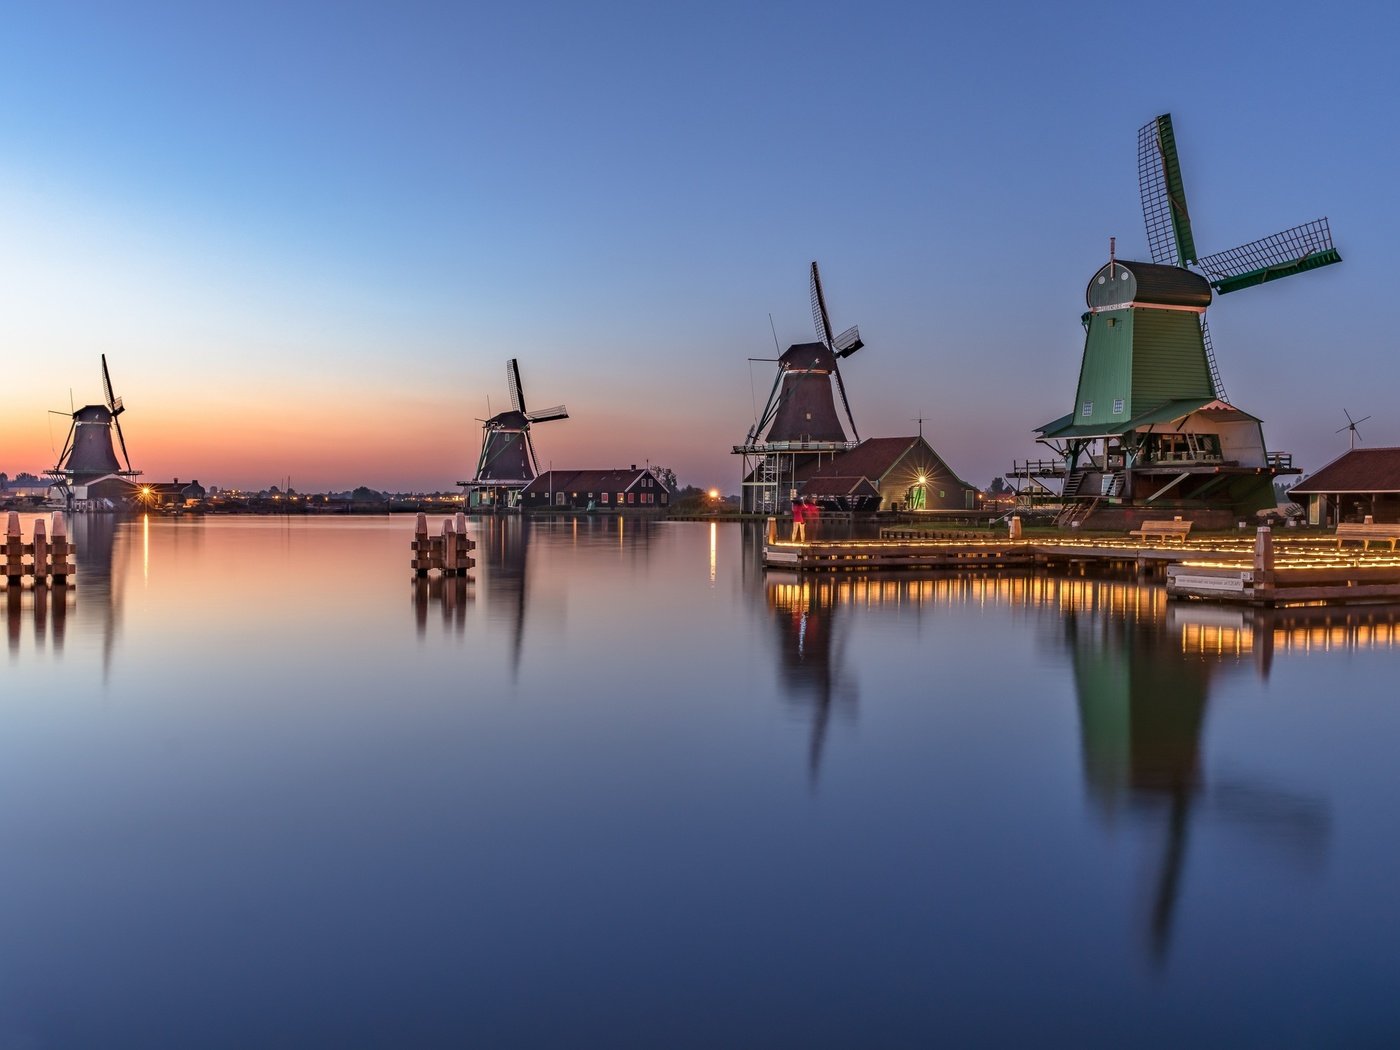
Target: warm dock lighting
{"type": "Point", "coordinates": [714, 493]}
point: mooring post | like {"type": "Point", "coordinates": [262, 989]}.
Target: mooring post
{"type": "Point", "coordinates": [1015, 526]}
{"type": "Point", "coordinates": [41, 551]}
{"type": "Point", "coordinates": [14, 549]}
{"type": "Point", "coordinates": [59, 550]}
{"type": "Point", "coordinates": [772, 530]}
{"type": "Point", "coordinates": [1264, 561]}
{"type": "Point", "coordinates": [449, 548]}
{"type": "Point", "coordinates": [420, 546]}
{"type": "Point", "coordinates": [461, 520]}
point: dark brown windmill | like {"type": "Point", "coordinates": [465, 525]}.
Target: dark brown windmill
{"type": "Point", "coordinates": [507, 462]}
{"type": "Point", "coordinates": [88, 453]}
{"type": "Point", "coordinates": [800, 422]}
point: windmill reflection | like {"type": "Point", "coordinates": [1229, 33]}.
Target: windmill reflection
{"type": "Point", "coordinates": [502, 542]}
{"type": "Point", "coordinates": [811, 646]}
{"type": "Point", "coordinates": [1143, 674]}
{"type": "Point", "coordinates": [99, 582]}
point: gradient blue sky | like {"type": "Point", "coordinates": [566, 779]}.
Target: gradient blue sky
{"type": "Point", "coordinates": [308, 236]}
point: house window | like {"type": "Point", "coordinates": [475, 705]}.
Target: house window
{"type": "Point", "coordinates": [663, 497]}
{"type": "Point", "coordinates": [1117, 406]}
{"type": "Point", "coordinates": [1088, 408]}
{"type": "Point", "coordinates": [559, 499]}
{"type": "Point", "coordinates": [631, 497]}
{"type": "Point", "coordinates": [619, 497]}
{"type": "Point", "coordinates": [605, 497]}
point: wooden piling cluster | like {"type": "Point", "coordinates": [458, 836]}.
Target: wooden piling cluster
{"type": "Point", "coordinates": [43, 558]}
{"type": "Point", "coordinates": [449, 552]}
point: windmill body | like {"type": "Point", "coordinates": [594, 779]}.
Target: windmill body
{"type": "Point", "coordinates": [88, 473]}
{"type": "Point", "coordinates": [507, 461]}
{"type": "Point", "coordinates": [1151, 429]}
{"type": "Point", "coordinates": [801, 425]}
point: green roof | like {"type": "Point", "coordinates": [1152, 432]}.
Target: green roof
{"type": "Point", "coordinates": [1064, 427]}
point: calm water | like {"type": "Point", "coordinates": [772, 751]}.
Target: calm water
{"type": "Point", "coordinates": [258, 789]}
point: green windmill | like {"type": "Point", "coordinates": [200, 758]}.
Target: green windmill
{"type": "Point", "coordinates": [1151, 429]}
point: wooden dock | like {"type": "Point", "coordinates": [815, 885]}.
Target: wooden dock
{"type": "Point", "coordinates": [1250, 570]}
{"type": "Point", "coordinates": [448, 553]}
{"type": "Point", "coordinates": [43, 559]}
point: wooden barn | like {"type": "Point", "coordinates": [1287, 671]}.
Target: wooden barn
{"type": "Point", "coordinates": [623, 490]}
{"type": "Point", "coordinates": [893, 473]}
{"type": "Point", "coordinates": [1357, 483]}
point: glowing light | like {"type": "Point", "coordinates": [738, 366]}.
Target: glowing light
{"type": "Point", "coordinates": [714, 493]}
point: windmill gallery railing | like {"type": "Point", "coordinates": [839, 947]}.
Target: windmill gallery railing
{"type": "Point", "coordinates": [42, 558]}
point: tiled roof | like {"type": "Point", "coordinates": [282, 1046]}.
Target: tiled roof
{"type": "Point", "coordinates": [617, 480]}
{"type": "Point", "coordinates": [872, 458]}
{"type": "Point", "coordinates": [1359, 470]}
{"type": "Point", "coordinates": [839, 486]}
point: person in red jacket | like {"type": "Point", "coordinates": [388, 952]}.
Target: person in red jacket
{"type": "Point", "coordinates": [799, 520]}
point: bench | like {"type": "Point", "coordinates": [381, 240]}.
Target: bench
{"type": "Point", "coordinates": [1172, 530]}
{"type": "Point", "coordinates": [1367, 533]}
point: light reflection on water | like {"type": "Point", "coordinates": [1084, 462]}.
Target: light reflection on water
{"type": "Point", "coordinates": [624, 787]}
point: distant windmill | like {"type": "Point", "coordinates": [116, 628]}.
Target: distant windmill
{"type": "Point", "coordinates": [1352, 425]}
{"type": "Point", "coordinates": [800, 417]}
{"type": "Point", "coordinates": [507, 462]}
{"type": "Point", "coordinates": [88, 453]}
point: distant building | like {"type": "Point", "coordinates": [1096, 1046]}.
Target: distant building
{"type": "Point", "coordinates": [175, 493]}
{"type": "Point", "coordinates": [1357, 483]}
{"type": "Point", "coordinates": [622, 490]}
{"type": "Point", "coordinates": [895, 473]}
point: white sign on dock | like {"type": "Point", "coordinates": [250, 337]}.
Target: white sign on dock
{"type": "Point", "coordinates": [1208, 583]}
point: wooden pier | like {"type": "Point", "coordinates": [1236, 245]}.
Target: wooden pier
{"type": "Point", "coordinates": [449, 552]}
{"type": "Point", "coordinates": [1250, 570]}
{"type": "Point", "coordinates": [43, 559]}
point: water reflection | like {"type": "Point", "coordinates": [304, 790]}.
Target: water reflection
{"type": "Point", "coordinates": [502, 545]}
{"type": "Point", "coordinates": [811, 647]}
{"type": "Point", "coordinates": [1143, 669]}
{"type": "Point", "coordinates": [450, 593]}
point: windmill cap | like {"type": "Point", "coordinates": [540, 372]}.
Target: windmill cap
{"type": "Point", "coordinates": [809, 356]}
{"type": "Point", "coordinates": [1123, 282]}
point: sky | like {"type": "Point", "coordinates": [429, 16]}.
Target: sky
{"type": "Point", "coordinates": [308, 236]}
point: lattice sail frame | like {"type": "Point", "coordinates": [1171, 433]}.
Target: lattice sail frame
{"type": "Point", "coordinates": [1164, 211]}
{"type": "Point", "coordinates": [1304, 247]}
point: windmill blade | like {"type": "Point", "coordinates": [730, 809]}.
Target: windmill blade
{"type": "Point", "coordinates": [117, 423]}
{"type": "Point", "coordinates": [841, 387]}
{"type": "Point", "coordinates": [67, 445]}
{"type": "Point", "coordinates": [819, 315]}
{"type": "Point", "coordinates": [1302, 248]}
{"type": "Point", "coordinates": [517, 392]}
{"type": "Point", "coordinates": [544, 415]}
{"type": "Point", "coordinates": [848, 342]}
{"type": "Point", "coordinates": [770, 409]}
{"type": "Point", "coordinates": [114, 403]}
{"type": "Point", "coordinates": [1164, 195]}
{"type": "Point", "coordinates": [1215, 379]}
{"type": "Point", "coordinates": [530, 447]}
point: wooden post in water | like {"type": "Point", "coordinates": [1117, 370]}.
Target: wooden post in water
{"type": "Point", "coordinates": [449, 548]}
{"type": "Point", "coordinates": [1264, 562]}
{"type": "Point", "coordinates": [59, 550]}
{"type": "Point", "coordinates": [772, 530]}
{"type": "Point", "coordinates": [14, 549]}
{"type": "Point", "coordinates": [420, 546]}
{"type": "Point", "coordinates": [40, 546]}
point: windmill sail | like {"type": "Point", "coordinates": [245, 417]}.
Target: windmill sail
{"type": "Point", "coordinates": [1164, 195]}
{"type": "Point", "coordinates": [1302, 248]}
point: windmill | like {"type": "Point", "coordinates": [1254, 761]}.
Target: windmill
{"type": "Point", "coordinates": [1151, 425]}
{"type": "Point", "coordinates": [1352, 424]}
{"type": "Point", "coordinates": [507, 462]}
{"type": "Point", "coordinates": [800, 421]}
{"type": "Point", "coordinates": [88, 453]}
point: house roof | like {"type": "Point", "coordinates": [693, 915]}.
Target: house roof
{"type": "Point", "coordinates": [617, 480]}
{"type": "Point", "coordinates": [875, 458]}
{"type": "Point", "coordinates": [1359, 470]}
{"type": "Point", "coordinates": [872, 459]}
{"type": "Point", "coordinates": [839, 486]}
